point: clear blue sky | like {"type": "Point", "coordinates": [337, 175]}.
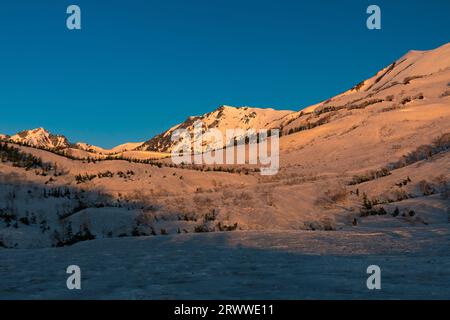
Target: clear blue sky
{"type": "Point", "coordinates": [138, 67]}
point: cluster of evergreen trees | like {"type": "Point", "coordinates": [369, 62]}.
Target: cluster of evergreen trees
{"type": "Point", "coordinates": [81, 178]}
{"type": "Point", "coordinates": [22, 159]}
{"type": "Point", "coordinates": [69, 238]}
{"type": "Point", "coordinates": [369, 208]}
{"type": "Point", "coordinates": [56, 193]}
{"type": "Point", "coordinates": [10, 218]}
{"type": "Point", "coordinates": [369, 176]}
{"type": "Point", "coordinates": [311, 125]}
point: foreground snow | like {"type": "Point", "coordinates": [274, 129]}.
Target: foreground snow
{"type": "Point", "coordinates": [415, 263]}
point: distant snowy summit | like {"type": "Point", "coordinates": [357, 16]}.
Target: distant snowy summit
{"type": "Point", "coordinates": [43, 139]}
{"type": "Point", "coordinates": [40, 138]}
{"type": "Point", "coordinates": [223, 118]}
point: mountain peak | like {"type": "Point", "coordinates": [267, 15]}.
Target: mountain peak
{"type": "Point", "coordinates": [223, 118]}
{"type": "Point", "coordinates": [41, 138]}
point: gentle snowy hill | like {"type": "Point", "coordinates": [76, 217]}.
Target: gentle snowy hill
{"type": "Point", "coordinates": [130, 146]}
{"type": "Point", "coordinates": [89, 147]}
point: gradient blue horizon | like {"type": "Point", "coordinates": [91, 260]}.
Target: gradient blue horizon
{"type": "Point", "coordinates": [138, 67]}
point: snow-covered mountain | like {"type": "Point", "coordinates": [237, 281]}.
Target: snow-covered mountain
{"type": "Point", "coordinates": [416, 76]}
{"type": "Point", "coordinates": [40, 138]}
{"type": "Point", "coordinates": [223, 118]}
